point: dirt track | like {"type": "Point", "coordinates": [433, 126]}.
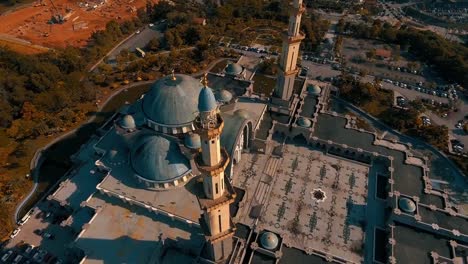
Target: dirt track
{"type": "Point", "coordinates": [30, 23]}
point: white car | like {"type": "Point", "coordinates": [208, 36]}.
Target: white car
{"type": "Point", "coordinates": [138, 31]}
{"type": "Point", "coordinates": [15, 232]}
{"type": "Point", "coordinates": [151, 24]}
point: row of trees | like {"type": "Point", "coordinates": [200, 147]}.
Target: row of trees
{"type": "Point", "coordinates": [50, 84]}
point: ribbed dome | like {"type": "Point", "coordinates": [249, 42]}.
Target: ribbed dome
{"type": "Point", "coordinates": [192, 141]}
{"type": "Point", "coordinates": [206, 100]}
{"type": "Point", "coordinates": [233, 68]}
{"type": "Point", "coordinates": [224, 96]}
{"type": "Point", "coordinates": [158, 159]}
{"type": "Point", "coordinates": [127, 122]}
{"type": "Point", "coordinates": [407, 205]}
{"type": "Point", "coordinates": [172, 102]}
{"type": "Point", "coordinates": [304, 122]}
{"type": "Point", "coordinates": [269, 240]}
{"type": "Point", "coordinates": [314, 89]}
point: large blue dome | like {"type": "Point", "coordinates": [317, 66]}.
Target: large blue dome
{"type": "Point", "coordinates": [206, 100]}
{"type": "Point", "coordinates": [172, 100]}
{"type": "Point", "coordinates": [158, 159]}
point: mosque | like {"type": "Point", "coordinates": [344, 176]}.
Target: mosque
{"type": "Point", "coordinates": [207, 171]}
{"type": "Point", "coordinates": [173, 152]}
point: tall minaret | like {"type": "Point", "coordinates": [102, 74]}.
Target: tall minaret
{"type": "Point", "coordinates": [291, 41]}
{"type": "Point", "coordinates": [218, 193]}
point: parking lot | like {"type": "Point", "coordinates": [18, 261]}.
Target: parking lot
{"type": "Point", "coordinates": [44, 235]}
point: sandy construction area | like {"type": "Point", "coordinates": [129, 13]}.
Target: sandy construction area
{"type": "Point", "coordinates": [30, 23]}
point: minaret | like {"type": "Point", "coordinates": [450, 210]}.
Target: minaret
{"type": "Point", "coordinates": [291, 41]}
{"type": "Point", "coordinates": [218, 193]}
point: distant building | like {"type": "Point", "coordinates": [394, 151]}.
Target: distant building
{"type": "Point", "coordinates": [199, 21]}
{"type": "Point", "coordinates": [383, 54]}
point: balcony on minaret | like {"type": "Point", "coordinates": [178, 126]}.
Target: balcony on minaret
{"type": "Point", "coordinates": [293, 39]}
{"type": "Point", "coordinates": [210, 130]}
{"type": "Point", "coordinates": [212, 170]}
{"type": "Point", "coordinates": [227, 198]}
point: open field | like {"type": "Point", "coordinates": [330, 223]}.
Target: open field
{"type": "Point", "coordinates": [31, 22]}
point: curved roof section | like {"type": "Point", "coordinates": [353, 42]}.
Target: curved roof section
{"type": "Point", "coordinates": [242, 113]}
{"type": "Point", "coordinates": [224, 96]}
{"type": "Point", "coordinates": [127, 122]}
{"type": "Point", "coordinates": [269, 240]}
{"type": "Point", "coordinates": [233, 125]}
{"type": "Point", "coordinates": [158, 159]}
{"type": "Point", "coordinates": [206, 100]}
{"type": "Point", "coordinates": [407, 205]}
{"type": "Point", "coordinates": [233, 68]}
{"type": "Point", "coordinates": [192, 141]}
{"type": "Point", "coordinates": [172, 101]}
{"type": "Point", "coordinates": [314, 89]}
{"type": "Point", "coordinates": [304, 122]}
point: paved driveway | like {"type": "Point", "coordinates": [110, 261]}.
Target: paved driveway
{"type": "Point", "coordinates": [138, 40]}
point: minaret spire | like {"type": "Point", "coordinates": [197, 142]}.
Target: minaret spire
{"type": "Point", "coordinates": [291, 42]}
{"type": "Point", "coordinates": [218, 193]}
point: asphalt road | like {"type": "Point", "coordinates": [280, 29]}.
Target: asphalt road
{"type": "Point", "coordinates": [138, 40]}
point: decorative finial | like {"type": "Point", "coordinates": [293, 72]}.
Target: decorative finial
{"type": "Point", "coordinates": [173, 75]}
{"type": "Point", "coordinates": [205, 79]}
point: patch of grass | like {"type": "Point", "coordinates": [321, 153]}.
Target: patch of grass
{"type": "Point", "coordinates": [22, 48]}
{"type": "Point", "coordinates": [263, 84]}
{"type": "Point", "coordinates": [219, 67]}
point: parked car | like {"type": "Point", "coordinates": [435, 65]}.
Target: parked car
{"type": "Point", "coordinates": [7, 255]}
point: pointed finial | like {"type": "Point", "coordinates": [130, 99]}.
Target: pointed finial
{"type": "Point", "coordinates": [173, 75]}
{"type": "Point", "coordinates": [205, 79]}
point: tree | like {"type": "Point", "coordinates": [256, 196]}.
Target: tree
{"type": "Point", "coordinates": [153, 44]}
{"type": "Point", "coordinates": [160, 10]}
{"type": "Point", "coordinates": [465, 128]}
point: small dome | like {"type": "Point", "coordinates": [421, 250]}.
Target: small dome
{"type": "Point", "coordinates": [233, 69]}
{"type": "Point", "coordinates": [314, 89]}
{"type": "Point", "coordinates": [407, 205]}
{"type": "Point", "coordinates": [172, 100]}
{"type": "Point", "coordinates": [304, 122]}
{"type": "Point", "coordinates": [242, 113]}
{"type": "Point", "coordinates": [206, 100]}
{"type": "Point", "coordinates": [158, 159]}
{"type": "Point", "coordinates": [224, 96]}
{"type": "Point", "coordinates": [127, 122]}
{"type": "Point", "coordinates": [269, 240]}
{"type": "Point", "coordinates": [192, 141]}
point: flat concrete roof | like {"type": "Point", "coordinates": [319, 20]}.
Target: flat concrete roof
{"type": "Point", "coordinates": [80, 186]}
{"type": "Point", "coordinates": [179, 201]}
{"type": "Point", "coordinates": [123, 233]}
{"type": "Point", "coordinates": [415, 246]}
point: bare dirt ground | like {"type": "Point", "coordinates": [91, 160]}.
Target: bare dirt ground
{"type": "Point", "coordinates": [30, 22]}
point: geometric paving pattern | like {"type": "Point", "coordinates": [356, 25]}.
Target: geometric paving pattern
{"type": "Point", "coordinates": [333, 226]}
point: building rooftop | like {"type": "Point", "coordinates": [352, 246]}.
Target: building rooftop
{"type": "Point", "coordinates": [123, 234]}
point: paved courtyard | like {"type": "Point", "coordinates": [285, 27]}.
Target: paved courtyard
{"type": "Point", "coordinates": [315, 202]}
